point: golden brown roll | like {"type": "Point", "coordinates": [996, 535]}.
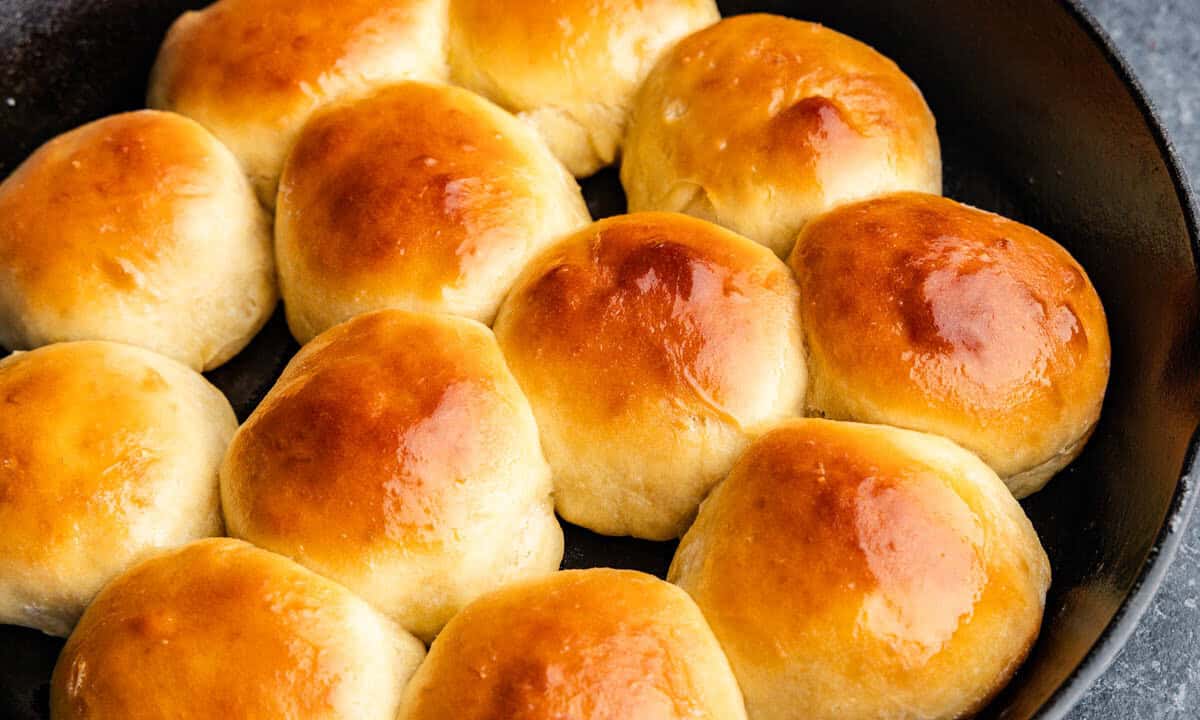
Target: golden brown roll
{"type": "Point", "coordinates": [598, 644]}
{"type": "Point", "coordinates": [252, 71]}
{"type": "Point", "coordinates": [397, 455]}
{"type": "Point", "coordinates": [137, 228]}
{"type": "Point", "coordinates": [651, 346]}
{"type": "Point", "coordinates": [927, 314]}
{"type": "Point", "coordinates": [569, 68]}
{"type": "Point", "coordinates": [418, 197]}
{"type": "Point", "coordinates": [862, 572]}
{"type": "Point", "coordinates": [108, 453]}
{"type": "Point", "coordinates": [761, 122]}
{"type": "Point", "coordinates": [221, 629]}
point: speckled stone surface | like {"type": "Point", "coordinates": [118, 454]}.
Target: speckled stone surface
{"type": "Point", "coordinates": [1157, 675]}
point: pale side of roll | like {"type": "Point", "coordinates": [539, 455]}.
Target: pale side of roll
{"type": "Point", "coordinates": [569, 68]}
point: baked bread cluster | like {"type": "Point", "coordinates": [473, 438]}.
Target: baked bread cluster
{"type": "Point", "coordinates": [830, 383]}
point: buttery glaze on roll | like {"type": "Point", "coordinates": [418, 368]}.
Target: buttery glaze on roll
{"type": "Point", "coordinates": [221, 629]}
{"type": "Point", "coordinates": [651, 346]}
{"type": "Point", "coordinates": [598, 644]}
{"type": "Point", "coordinates": [397, 455]}
{"type": "Point", "coordinates": [927, 314]}
{"type": "Point", "coordinates": [570, 68]}
{"type": "Point", "coordinates": [417, 197]}
{"type": "Point", "coordinates": [253, 71]}
{"type": "Point", "coordinates": [761, 122]}
{"type": "Point", "coordinates": [856, 572]}
{"type": "Point", "coordinates": [108, 453]}
{"type": "Point", "coordinates": [137, 228]}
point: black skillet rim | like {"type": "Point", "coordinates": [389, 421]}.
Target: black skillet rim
{"type": "Point", "coordinates": [1162, 553]}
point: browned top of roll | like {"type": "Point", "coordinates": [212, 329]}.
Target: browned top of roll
{"type": "Point", "coordinates": [367, 437]}
{"type": "Point", "coordinates": [416, 187]}
{"type": "Point", "coordinates": [766, 101]}
{"type": "Point", "coordinates": [248, 55]}
{"type": "Point", "coordinates": [102, 458]}
{"type": "Point", "coordinates": [928, 307]}
{"type": "Point", "coordinates": [602, 644]}
{"type": "Point", "coordinates": [853, 517]}
{"type": "Point", "coordinates": [840, 557]}
{"type": "Point", "coordinates": [221, 628]}
{"type": "Point", "coordinates": [84, 469]}
{"type": "Point", "coordinates": [651, 305]}
{"type": "Point", "coordinates": [91, 211]}
{"type": "Point", "coordinates": [829, 87]}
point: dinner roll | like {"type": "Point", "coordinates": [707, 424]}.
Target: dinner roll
{"type": "Point", "coordinates": [418, 197]}
{"type": "Point", "coordinates": [862, 572]}
{"type": "Point", "coordinates": [221, 629]}
{"type": "Point", "coordinates": [761, 122]}
{"type": "Point", "coordinates": [108, 453]}
{"type": "Point", "coordinates": [650, 346]}
{"type": "Point", "coordinates": [138, 228]}
{"type": "Point", "coordinates": [931, 315]}
{"type": "Point", "coordinates": [252, 71]}
{"type": "Point", "coordinates": [569, 68]}
{"type": "Point", "coordinates": [598, 644]}
{"type": "Point", "coordinates": [397, 455]}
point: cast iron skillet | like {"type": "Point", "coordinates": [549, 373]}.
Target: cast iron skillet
{"type": "Point", "coordinates": [1040, 120]}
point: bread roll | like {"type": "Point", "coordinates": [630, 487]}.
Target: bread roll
{"type": "Point", "coordinates": [761, 122]}
{"type": "Point", "coordinates": [138, 228]}
{"type": "Point", "coordinates": [418, 197]}
{"type": "Point", "coordinates": [650, 347]}
{"type": "Point", "coordinates": [856, 572]}
{"type": "Point", "coordinates": [107, 453]}
{"type": "Point", "coordinates": [569, 68]}
{"type": "Point", "coordinates": [397, 455]}
{"type": "Point", "coordinates": [598, 644]}
{"type": "Point", "coordinates": [221, 629]}
{"type": "Point", "coordinates": [927, 314]}
{"type": "Point", "coordinates": [252, 71]}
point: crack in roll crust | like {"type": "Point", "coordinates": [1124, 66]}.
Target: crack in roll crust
{"type": "Point", "coordinates": [397, 455]}
{"type": "Point", "coordinates": [570, 68]}
{"type": "Point", "coordinates": [158, 641]}
{"type": "Point", "coordinates": [650, 347]}
{"type": "Point", "coordinates": [252, 71]}
{"type": "Point", "coordinates": [417, 197]}
{"type": "Point", "coordinates": [136, 228]}
{"type": "Point", "coordinates": [761, 122]}
{"type": "Point", "coordinates": [108, 453]}
{"type": "Point", "coordinates": [599, 644]}
{"type": "Point", "coordinates": [857, 571]}
{"type": "Point", "coordinates": [924, 313]}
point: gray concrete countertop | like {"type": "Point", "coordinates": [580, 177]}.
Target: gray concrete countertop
{"type": "Point", "coordinates": [1157, 675]}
